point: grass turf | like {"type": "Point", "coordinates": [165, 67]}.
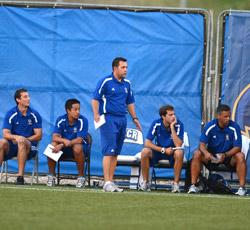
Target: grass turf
{"type": "Point", "coordinates": [39, 207]}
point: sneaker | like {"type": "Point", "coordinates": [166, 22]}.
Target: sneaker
{"type": "Point", "coordinates": [111, 187]}
{"type": "Point", "coordinates": [80, 182]}
{"type": "Point", "coordinates": [144, 186]}
{"type": "Point", "coordinates": [51, 182]}
{"type": "Point", "coordinates": [108, 187]}
{"type": "Point", "coordinates": [241, 191]}
{"type": "Point", "coordinates": [19, 180]}
{"type": "Point", "coordinates": [175, 188]}
{"type": "Point", "coordinates": [193, 189]}
{"type": "Point", "coordinates": [117, 189]}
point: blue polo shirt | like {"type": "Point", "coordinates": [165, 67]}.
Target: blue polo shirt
{"type": "Point", "coordinates": [22, 125]}
{"type": "Point", "coordinates": [220, 140]}
{"type": "Point", "coordinates": [162, 135]}
{"type": "Point", "coordinates": [113, 95]}
{"type": "Point", "coordinates": [70, 132]}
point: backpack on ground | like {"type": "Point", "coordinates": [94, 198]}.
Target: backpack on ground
{"type": "Point", "coordinates": [217, 184]}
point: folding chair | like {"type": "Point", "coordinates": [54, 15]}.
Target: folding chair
{"type": "Point", "coordinates": [4, 167]}
{"type": "Point", "coordinates": [133, 136]}
{"type": "Point", "coordinates": [223, 169]}
{"type": "Point", "coordinates": [166, 164]}
{"type": "Point", "coordinates": [71, 159]}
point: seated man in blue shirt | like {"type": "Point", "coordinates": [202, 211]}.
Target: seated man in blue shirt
{"type": "Point", "coordinates": [168, 132]}
{"type": "Point", "coordinates": [22, 129]}
{"type": "Point", "coordinates": [69, 136]}
{"type": "Point", "coordinates": [220, 142]}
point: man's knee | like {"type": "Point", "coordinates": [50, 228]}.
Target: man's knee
{"type": "Point", "coordinates": [146, 153]}
{"type": "Point", "coordinates": [240, 158]}
{"type": "Point", "coordinates": [3, 144]}
{"type": "Point", "coordinates": [197, 155]}
{"type": "Point", "coordinates": [178, 155]}
{"type": "Point", "coordinates": [77, 149]}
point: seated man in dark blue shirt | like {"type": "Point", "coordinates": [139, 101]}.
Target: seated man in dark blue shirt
{"type": "Point", "coordinates": [22, 129]}
{"type": "Point", "coordinates": [220, 142]}
{"type": "Point", "coordinates": [70, 133]}
{"type": "Point", "coordinates": [168, 133]}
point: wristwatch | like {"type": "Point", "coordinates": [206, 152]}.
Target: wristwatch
{"type": "Point", "coordinates": [163, 150]}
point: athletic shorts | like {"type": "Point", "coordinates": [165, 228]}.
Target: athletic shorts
{"type": "Point", "coordinates": [157, 156]}
{"type": "Point", "coordinates": [13, 149]}
{"type": "Point", "coordinates": [113, 133]}
{"type": "Point", "coordinates": [68, 151]}
{"type": "Point", "coordinates": [226, 162]}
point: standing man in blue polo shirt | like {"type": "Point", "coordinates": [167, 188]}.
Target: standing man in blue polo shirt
{"type": "Point", "coordinates": [113, 97]}
{"type": "Point", "coordinates": [22, 129]}
{"type": "Point", "coordinates": [168, 132]}
{"type": "Point", "coordinates": [220, 142]}
{"type": "Point", "coordinates": [69, 136]}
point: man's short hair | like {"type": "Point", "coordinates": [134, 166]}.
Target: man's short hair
{"type": "Point", "coordinates": [163, 110]}
{"type": "Point", "coordinates": [70, 102]}
{"type": "Point", "coordinates": [222, 107]}
{"type": "Point", "coordinates": [18, 94]}
{"type": "Point", "coordinates": [117, 60]}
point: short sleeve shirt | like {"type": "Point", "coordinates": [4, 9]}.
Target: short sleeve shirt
{"type": "Point", "coordinates": [22, 125]}
{"type": "Point", "coordinates": [162, 135]}
{"type": "Point", "coordinates": [220, 140]}
{"type": "Point", "coordinates": [113, 95]}
{"type": "Point", "coordinates": [70, 132]}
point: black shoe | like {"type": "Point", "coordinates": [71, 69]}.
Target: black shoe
{"type": "Point", "coordinates": [20, 180]}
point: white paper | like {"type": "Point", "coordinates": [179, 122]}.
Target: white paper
{"type": "Point", "coordinates": [100, 122]}
{"type": "Point", "coordinates": [54, 156]}
{"type": "Point", "coordinates": [176, 148]}
{"type": "Point", "coordinates": [215, 159]}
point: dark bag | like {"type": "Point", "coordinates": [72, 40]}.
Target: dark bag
{"type": "Point", "coordinates": [217, 184]}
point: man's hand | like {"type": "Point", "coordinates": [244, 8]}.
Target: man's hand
{"type": "Point", "coordinates": [169, 151]}
{"type": "Point", "coordinates": [57, 148]}
{"type": "Point", "coordinates": [19, 139]}
{"type": "Point", "coordinates": [97, 117]}
{"type": "Point", "coordinates": [67, 143]}
{"type": "Point", "coordinates": [208, 156]}
{"type": "Point", "coordinates": [173, 123]}
{"type": "Point", "coordinates": [221, 157]}
{"type": "Point", "coordinates": [137, 124]}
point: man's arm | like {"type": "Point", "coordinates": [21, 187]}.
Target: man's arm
{"type": "Point", "coordinates": [203, 149]}
{"type": "Point", "coordinates": [37, 135]}
{"type": "Point", "coordinates": [177, 141]}
{"type": "Point", "coordinates": [131, 110]}
{"type": "Point", "coordinates": [229, 153]}
{"type": "Point", "coordinates": [57, 139]}
{"type": "Point", "coordinates": [9, 136]}
{"type": "Point", "coordinates": [95, 108]}
{"type": "Point", "coordinates": [149, 144]}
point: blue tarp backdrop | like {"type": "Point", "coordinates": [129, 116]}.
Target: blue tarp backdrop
{"type": "Point", "coordinates": [236, 70]}
{"type": "Point", "coordinates": [59, 54]}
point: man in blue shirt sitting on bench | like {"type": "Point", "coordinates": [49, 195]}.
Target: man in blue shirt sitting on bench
{"type": "Point", "coordinates": [168, 132]}
{"type": "Point", "coordinates": [22, 129]}
{"type": "Point", "coordinates": [220, 143]}
{"type": "Point", "coordinates": [69, 136]}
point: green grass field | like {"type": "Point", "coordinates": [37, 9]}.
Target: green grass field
{"type": "Point", "coordinates": [38, 207]}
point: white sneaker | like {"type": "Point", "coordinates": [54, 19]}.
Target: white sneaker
{"type": "Point", "coordinates": [111, 187]}
{"type": "Point", "coordinates": [175, 188]}
{"type": "Point", "coordinates": [108, 187]}
{"type": "Point", "coordinates": [193, 189]}
{"type": "Point", "coordinates": [241, 192]}
{"type": "Point", "coordinates": [117, 189]}
{"type": "Point", "coordinates": [80, 182]}
{"type": "Point", "coordinates": [144, 186]}
{"type": "Point", "coordinates": [51, 181]}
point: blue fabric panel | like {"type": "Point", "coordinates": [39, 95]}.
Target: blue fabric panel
{"type": "Point", "coordinates": [236, 69]}
{"type": "Point", "coordinates": [62, 53]}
